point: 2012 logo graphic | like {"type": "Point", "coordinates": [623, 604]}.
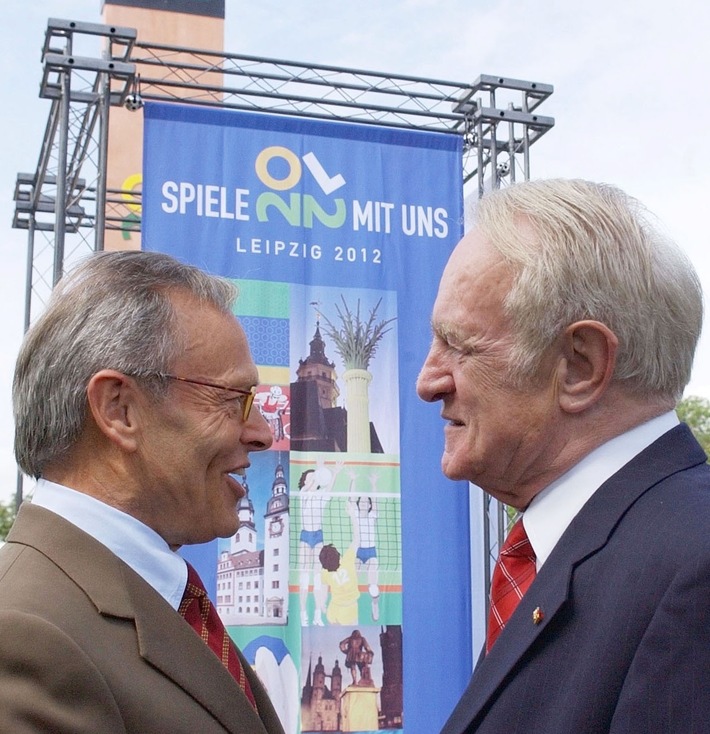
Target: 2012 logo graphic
{"type": "Point", "coordinates": [300, 209]}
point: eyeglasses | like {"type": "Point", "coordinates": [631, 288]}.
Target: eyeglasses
{"type": "Point", "coordinates": [247, 396]}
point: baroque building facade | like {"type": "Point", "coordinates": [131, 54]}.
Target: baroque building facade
{"type": "Point", "coordinates": [252, 584]}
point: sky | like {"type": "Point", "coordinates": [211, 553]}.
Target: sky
{"type": "Point", "coordinates": [630, 101]}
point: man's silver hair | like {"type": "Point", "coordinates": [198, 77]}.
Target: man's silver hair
{"type": "Point", "coordinates": [581, 250]}
{"type": "Point", "coordinates": [113, 311]}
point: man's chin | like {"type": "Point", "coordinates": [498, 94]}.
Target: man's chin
{"type": "Point", "coordinates": [451, 470]}
{"type": "Point", "coordinates": [229, 530]}
{"type": "Point", "coordinates": [226, 530]}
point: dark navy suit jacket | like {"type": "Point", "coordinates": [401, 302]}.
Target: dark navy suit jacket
{"type": "Point", "coordinates": [623, 646]}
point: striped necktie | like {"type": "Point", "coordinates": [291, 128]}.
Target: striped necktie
{"type": "Point", "coordinates": [199, 612]}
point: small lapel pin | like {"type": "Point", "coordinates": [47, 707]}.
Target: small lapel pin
{"type": "Point", "coordinates": [538, 615]}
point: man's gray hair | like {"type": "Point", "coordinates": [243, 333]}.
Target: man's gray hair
{"type": "Point", "coordinates": [582, 250]}
{"type": "Point", "coordinates": [114, 311]}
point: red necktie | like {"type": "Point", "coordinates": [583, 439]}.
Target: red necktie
{"type": "Point", "coordinates": [512, 577]}
{"type": "Point", "coordinates": [198, 611]}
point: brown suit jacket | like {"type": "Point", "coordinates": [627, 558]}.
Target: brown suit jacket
{"type": "Point", "coordinates": [86, 645]}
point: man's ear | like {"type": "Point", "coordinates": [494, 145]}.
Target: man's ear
{"type": "Point", "coordinates": [589, 358]}
{"type": "Point", "coordinates": [113, 402]}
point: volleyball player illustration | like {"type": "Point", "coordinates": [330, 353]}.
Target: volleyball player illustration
{"type": "Point", "coordinates": [363, 515]}
{"type": "Point", "coordinates": [315, 486]}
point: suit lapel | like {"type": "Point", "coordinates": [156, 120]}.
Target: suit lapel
{"type": "Point", "coordinates": [169, 644]}
{"type": "Point", "coordinates": [165, 640]}
{"type": "Point", "coordinates": [590, 531]}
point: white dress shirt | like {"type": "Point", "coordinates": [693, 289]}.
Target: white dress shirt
{"type": "Point", "coordinates": [133, 542]}
{"type": "Point", "coordinates": [553, 509]}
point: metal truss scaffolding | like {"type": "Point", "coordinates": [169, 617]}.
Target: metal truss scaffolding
{"type": "Point", "coordinates": [65, 205]}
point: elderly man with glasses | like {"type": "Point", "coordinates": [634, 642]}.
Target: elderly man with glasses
{"type": "Point", "coordinates": [132, 400]}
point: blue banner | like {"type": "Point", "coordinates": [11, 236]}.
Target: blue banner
{"type": "Point", "coordinates": [348, 583]}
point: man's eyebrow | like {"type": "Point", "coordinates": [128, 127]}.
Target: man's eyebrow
{"type": "Point", "coordinates": [446, 331]}
{"type": "Point", "coordinates": [452, 336]}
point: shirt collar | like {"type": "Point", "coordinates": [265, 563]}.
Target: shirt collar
{"type": "Point", "coordinates": [133, 542]}
{"type": "Point", "coordinates": [553, 509]}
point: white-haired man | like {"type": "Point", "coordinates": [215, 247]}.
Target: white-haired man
{"type": "Point", "coordinates": [563, 334]}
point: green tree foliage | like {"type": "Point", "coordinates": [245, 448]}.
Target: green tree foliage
{"type": "Point", "coordinates": [7, 517]}
{"type": "Point", "coordinates": [695, 412]}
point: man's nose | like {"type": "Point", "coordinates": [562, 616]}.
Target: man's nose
{"type": "Point", "coordinates": [434, 381]}
{"type": "Point", "coordinates": [256, 433]}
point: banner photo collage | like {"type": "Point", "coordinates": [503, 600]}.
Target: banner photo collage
{"type": "Point", "coordinates": [334, 586]}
